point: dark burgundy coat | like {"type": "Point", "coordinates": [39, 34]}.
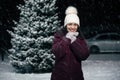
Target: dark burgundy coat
{"type": "Point", "coordinates": [68, 58]}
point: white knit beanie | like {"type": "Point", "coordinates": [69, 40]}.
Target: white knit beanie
{"type": "Point", "coordinates": [71, 16]}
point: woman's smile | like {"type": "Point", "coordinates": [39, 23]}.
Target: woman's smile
{"type": "Point", "coordinates": [71, 30]}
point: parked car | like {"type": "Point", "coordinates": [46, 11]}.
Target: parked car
{"type": "Point", "coordinates": [105, 42]}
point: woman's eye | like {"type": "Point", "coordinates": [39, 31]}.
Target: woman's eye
{"type": "Point", "coordinates": [70, 24]}
{"type": "Point", "coordinates": [75, 24]}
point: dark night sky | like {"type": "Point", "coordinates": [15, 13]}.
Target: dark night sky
{"type": "Point", "coordinates": [93, 12]}
{"type": "Point", "coordinates": [8, 13]}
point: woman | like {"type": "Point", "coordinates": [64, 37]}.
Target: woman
{"type": "Point", "coordinates": [69, 48]}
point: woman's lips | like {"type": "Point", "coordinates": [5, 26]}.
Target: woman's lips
{"type": "Point", "coordinates": [72, 30]}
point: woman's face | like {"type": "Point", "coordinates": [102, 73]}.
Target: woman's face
{"type": "Point", "coordinates": [72, 27]}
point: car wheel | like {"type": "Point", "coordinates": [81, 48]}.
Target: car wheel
{"type": "Point", "coordinates": [94, 49]}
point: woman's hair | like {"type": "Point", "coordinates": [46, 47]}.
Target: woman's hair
{"type": "Point", "coordinates": [64, 31]}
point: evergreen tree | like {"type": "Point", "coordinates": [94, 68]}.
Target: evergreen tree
{"type": "Point", "coordinates": [32, 37]}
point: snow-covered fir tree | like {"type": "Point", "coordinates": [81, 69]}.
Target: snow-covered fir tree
{"type": "Point", "coordinates": [32, 37]}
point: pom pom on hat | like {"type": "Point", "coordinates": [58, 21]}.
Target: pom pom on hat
{"type": "Point", "coordinates": [71, 16]}
{"type": "Point", "coordinates": [71, 10]}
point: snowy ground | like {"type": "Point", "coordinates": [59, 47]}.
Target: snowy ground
{"type": "Point", "coordinates": [97, 67]}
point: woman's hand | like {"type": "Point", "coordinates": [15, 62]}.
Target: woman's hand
{"type": "Point", "coordinates": [72, 36]}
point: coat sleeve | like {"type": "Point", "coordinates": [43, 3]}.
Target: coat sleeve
{"type": "Point", "coordinates": [60, 46]}
{"type": "Point", "coordinates": [80, 49]}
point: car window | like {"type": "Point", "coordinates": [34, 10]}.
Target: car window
{"type": "Point", "coordinates": [115, 37]}
{"type": "Point", "coordinates": [103, 37]}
